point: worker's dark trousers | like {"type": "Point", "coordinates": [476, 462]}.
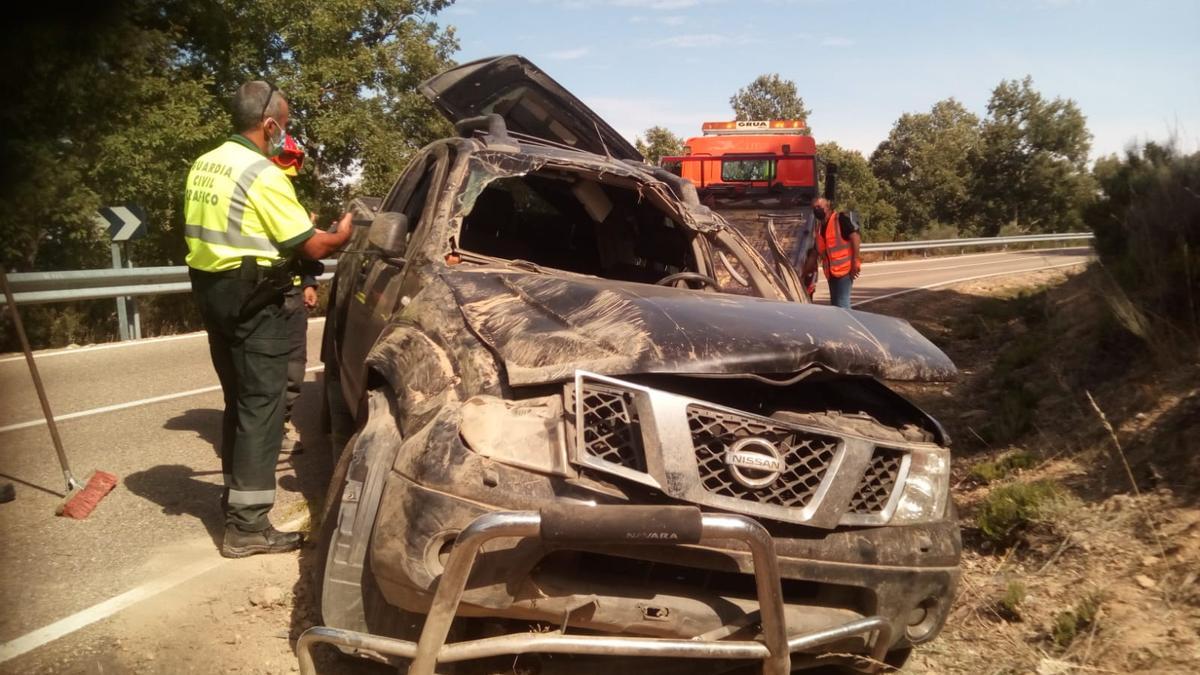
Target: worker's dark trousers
{"type": "Point", "coordinates": [250, 357]}
{"type": "Point", "coordinates": [296, 315]}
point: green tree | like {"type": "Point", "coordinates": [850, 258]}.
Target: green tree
{"type": "Point", "coordinates": [769, 97]}
{"type": "Point", "coordinates": [117, 112]}
{"type": "Point", "coordinates": [1147, 226]}
{"type": "Point", "coordinates": [1030, 169]}
{"type": "Point", "coordinates": [121, 97]}
{"type": "Point", "coordinates": [659, 142]}
{"type": "Point", "coordinates": [924, 167]}
{"type": "Point", "coordinates": [858, 190]}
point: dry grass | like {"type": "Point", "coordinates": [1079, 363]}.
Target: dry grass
{"type": "Point", "coordinates": [1095, 561]}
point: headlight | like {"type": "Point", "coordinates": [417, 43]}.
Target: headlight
{"type": "Point", "coordinates": [528, 433]}
{"type": "Point", "coordinates": [926, 488]}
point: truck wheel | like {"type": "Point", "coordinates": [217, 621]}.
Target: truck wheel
{"type": "Point", "coordinates": [381, 617]}
{"type": "Point", "coordinates": [329, 517]}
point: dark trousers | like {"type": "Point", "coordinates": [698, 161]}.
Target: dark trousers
{"type": "Point", "coordinates": [250, 356]}
{"type": "Point", "coordinates": [296, 315]}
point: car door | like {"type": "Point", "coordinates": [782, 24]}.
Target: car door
{"type": "Point", "coordinates": [529, 100]}
{"type": "Point", "coordinates": [376, 281]}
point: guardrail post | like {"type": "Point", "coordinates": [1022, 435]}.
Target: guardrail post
{"type": "Point", "coordinates": [122, 320]}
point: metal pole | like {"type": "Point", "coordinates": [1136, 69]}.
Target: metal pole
{"type": "Point", "coordinates": [137, 319]}
{"type": "Point", "coordinates": [122, 321]}
{"type": "Point", "coordinates": [72, 484]}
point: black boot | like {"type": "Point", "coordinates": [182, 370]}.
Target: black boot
{"type": "Point", "coordinates": [239, 544]}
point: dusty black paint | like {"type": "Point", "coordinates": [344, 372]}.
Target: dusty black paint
{"type": "Point", "coordinates": [544, 328]}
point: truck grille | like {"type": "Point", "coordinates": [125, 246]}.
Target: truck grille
{"type": "Point", "coordinates": [611, 431]}
{"type": "Point", "coordinates": [878, 481]}
{"type": "Point", "coordinates": [806, 457]}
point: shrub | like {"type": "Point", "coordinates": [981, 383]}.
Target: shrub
{"type": "Point", "coordinates": [1009, 606]}
{"type": "Point", "coordinates": [1147, 229]}
{"type": "Point", "coordinates": [1069, 624]}
{"type": "Point", "coordinates": [1011, 508]}
{"type": "Point", "coordinates": [1003, 466]}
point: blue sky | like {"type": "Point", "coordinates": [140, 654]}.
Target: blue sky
{"type": "Point", "coordinates": [1133, 67]}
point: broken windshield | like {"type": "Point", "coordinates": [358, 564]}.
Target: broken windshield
{"type": "Point", "coordinates": [535, 216]}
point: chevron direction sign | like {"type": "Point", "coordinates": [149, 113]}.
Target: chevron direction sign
{"type": "Point", "coordinates": [122, 223]}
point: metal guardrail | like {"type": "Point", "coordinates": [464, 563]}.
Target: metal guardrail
{"type": "Point", "coordinates": [38, 287]}
{"type": "Point", "coordinates": [977, 241]}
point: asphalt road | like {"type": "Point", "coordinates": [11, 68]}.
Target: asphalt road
{"type": "Point", "coordinates": [149, 411]}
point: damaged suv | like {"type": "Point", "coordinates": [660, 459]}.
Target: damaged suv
{"type": "Point", "coordinates": [592, 427]}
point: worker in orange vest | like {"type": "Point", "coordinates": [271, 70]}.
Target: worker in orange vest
{"type": "Point", "coordinates": [836, 242]}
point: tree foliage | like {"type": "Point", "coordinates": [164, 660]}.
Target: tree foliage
{"type": "Point", "coordinates": [121, 99]}
{"type": "Point", "coordinates": [769, 97]}
{"type": "Point", "coordinates": [659, 142]}
{"type": "Point", "coordinates": [1147, 226]}
{"type": "Point", "coordinates": [113, 101]}
{"type": "Point", "coordinates": [859, 191]}
{"type": "Point", "coordinates": [924, 167]}
{"type": "Point", "coordinates": [1030, 170]}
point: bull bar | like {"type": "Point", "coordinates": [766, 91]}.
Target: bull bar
{"type": "Point", "coordinates": [591, 524]}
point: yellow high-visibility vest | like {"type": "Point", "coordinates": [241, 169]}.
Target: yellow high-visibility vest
{"type": "Point", "coordinates": [238, 203]}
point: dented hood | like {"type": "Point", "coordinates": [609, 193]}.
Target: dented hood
{"type": "Point", "coordinates": [544, 328]}
{"type": "Point", "coordinates": [530, 101]}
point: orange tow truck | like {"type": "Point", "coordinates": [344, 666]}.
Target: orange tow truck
{"type": "Point", "coordinates": [761, 175]}
{"type": "Point", "coordinates": [750, 164]}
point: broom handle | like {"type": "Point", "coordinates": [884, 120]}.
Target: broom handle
{"type": "Point", "coordinates": [72, 484]}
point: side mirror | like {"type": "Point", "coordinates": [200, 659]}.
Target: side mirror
{"type": "Point", "coordinates": [831, 172]}
{"type": "Point", "coordinates": [389, 233]}
{"type": "Point", "coordinates": [364, 210]}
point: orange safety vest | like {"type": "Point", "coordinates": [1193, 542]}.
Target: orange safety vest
{"type": "Point", "coordinates": [836, 253]}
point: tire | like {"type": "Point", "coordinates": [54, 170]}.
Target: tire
{"type": "Point", "coordinates": [329, 513]}
{"type": "Point", "coordinates": [381, 617]}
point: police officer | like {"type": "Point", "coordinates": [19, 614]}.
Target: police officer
{"type": "Point", "coordinates": [242, 226]}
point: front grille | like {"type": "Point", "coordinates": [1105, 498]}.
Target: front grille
{"type": "Point", "coordinates": [806, 456]}
{"type": "Point", "coordinates": [878, 481]}
{"type": "Point", "coordinates": [611, 431]}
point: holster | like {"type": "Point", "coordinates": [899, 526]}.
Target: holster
{"type": "Point", "coordinates": [270, 284]}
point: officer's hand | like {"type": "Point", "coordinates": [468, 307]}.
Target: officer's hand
{"type": "Point", "coordinates": [344, 225]}
{"type": "Point", "coordinates": [857, 269]}
{"type": "Point", "coordinates": [310, 297]}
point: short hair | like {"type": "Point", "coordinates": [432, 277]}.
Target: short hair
{"type": "Point", "coordinates": [254, 102]}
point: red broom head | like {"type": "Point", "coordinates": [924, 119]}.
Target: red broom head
{"type": "Point", "coordinates": [80, 503]}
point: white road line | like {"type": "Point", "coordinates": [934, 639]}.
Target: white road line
{"type": "Point", "coordinates": [129, 404]}
{"type": "Point", "coordinates": [871, 275]}
{"type": "Point", "coordinates": [956, 281]}
{"type": "Point", "coordinates": [30, 641]}
{"type": "Point", "coordinates": [117, 345]}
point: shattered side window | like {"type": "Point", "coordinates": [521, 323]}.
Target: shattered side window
{"type": "Point", "coordinates": [731, 272]}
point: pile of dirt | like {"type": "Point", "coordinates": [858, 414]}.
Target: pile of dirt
{"type": "Point", "coordinates": [1076, 479]}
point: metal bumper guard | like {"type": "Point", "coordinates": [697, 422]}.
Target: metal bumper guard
{"type": "Point", "coordinates": [626, 524]}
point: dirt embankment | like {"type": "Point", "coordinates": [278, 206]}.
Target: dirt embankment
{"type": "Point", "coordinates": [1077, 474]}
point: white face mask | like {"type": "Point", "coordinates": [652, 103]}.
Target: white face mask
{"type": "Point", "coordinates": [275, 144]}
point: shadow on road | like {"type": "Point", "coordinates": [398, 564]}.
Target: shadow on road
{"type": "Point", "coordinates": [35, 486]}
{"type": "Point", "coordinates": [179, 491]}
{"type": "Point", "coordinates": [205, 422]}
